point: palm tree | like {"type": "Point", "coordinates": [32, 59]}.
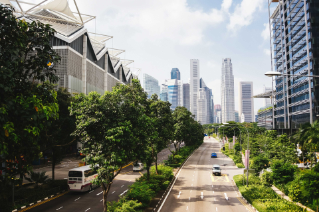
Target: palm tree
{"type": "Point", "coordinates": [308, 137]}
{"type": "Point", "coordinates": [37, 177]}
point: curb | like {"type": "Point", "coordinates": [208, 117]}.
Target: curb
{"type": "Point", "coordinates": [33, 203]}
{"type": "Point", "coordinates": [171, 183]}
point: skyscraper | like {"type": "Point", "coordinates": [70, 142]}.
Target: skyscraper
{"type": "Point", "coordinates": [175, 92]}
{"type": "Point", "coordinates": [202, 109]}
{"type": "Point", "coordinates": [246, 101]}
{"type": "Point", "coordinates": [267, 101]}
{"type": "Point", "coordinates": [194, 85]}
{"type": "Point", "coordinates": [236, 116]}
{"type": "Point", "coordinates": [186, 96]}
{"type": "Point", "coordinates": [175, 74]}
{"type": "Point", "coordinates": [151, 85]}
{"type": "Point", "coordinates": [164, 93]}
{"type": "Point", "coordinates": [212, 110]}
{"type": "Point", "coordinates": [208, 94]}
{"type": "Point", "coordinates": [227, 91]}
{"type": "Point", "coordinates": [294, 42]}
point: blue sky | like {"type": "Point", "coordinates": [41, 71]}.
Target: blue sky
{"type": "Point", "coordinates": [163, 34]}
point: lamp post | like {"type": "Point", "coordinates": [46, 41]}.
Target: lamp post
{"type": "Point", "coordinates": [276, 73]}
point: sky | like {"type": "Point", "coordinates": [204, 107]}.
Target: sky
{"type": "Point", "coordinates": [163, 34]}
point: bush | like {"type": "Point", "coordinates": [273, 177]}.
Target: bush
{"type": "Point", "coordinates": [294, 190]}
{"type": "Point", "coordinates": [266, 178]}
{"type": "Point", "coordinates": [141, 192]}
{"type": "Point", "coordinates": [165, 184]}
{"type": "Point", "coordinates": [240, 165]}
{"type": "Point", "coordinates": [282, 173]}
{"type": "Point", "coordinates": [129, 206]}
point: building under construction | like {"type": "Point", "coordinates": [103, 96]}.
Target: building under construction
{"type": "Point", "coordinates": [87, 64]}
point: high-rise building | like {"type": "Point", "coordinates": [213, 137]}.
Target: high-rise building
{"type": "Point", "coordinates": [208, 95]}
{"type": "Point", "coordinates": [294, 38]}
{"type": "Point", "coordinates": [236, 116]}
{"type": "Point", "coordinates": [227, 91]}
{"type": "Point", "coordinates": [202, 109]}
{"type": "Point", "coordinates": [194, 85]}
{"type": "Point", "coordinates": [175, 92]}
{"type": "Point", "coordinates": [175, 74]}
{"type": "Point", "coordinates": [150, 85]}
{"type": "Point", "coordinates": [218, 117]}
{"type": "Point", "coordinates": [246, 101]}
{"type": "Point", "coordinates": [212, 111]}
{"type": "Point", "coordinates": [164, 93]}
{"type": "Point", "coordinates": [217, 108]}
{"type": "Point", "coordinates": [186, 96]}
{"type": "Point", "coordinates": [267, 101]}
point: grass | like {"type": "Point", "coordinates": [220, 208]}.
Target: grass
{"type": "Point", "coordinates": [263, 198]}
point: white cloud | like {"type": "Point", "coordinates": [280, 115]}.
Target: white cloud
{"type": "Point", "coordinates": [243, 14]}
{"type": "Point", "coordinates": [226, 4]}
{"type": "Point", "coordinates": [265, 32]}
{"type": "Point", "coordinates": [157, 20]}
{"type": "Point", "coordinates": [267, 51]}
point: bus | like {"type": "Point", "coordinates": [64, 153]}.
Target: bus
{"type": "Point", "coordinates": [80, 178]}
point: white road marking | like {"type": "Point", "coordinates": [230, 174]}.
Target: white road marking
{"type": "Point", "coordinates": [124, 192]}
{"type": "Point", "coordinates": [65, 178]}
{"type": "Point", "coordinates": [100, 193]}
{"type": "Point", "coordinates": [91, 191]}
{"type": "Point", "coordinates": [113, 192]}
{"type": "Point", "coordinates": [189, 198]}
{"type": "Point", "coordinates": [77, 199]}
{"type": "Point", "coordinates": [191, 191]}
{"type": "Point", "coordinates": [87, 209]}
{"type": "Point", "coordinates": [192, 184]}
{"type": "Point", "coordinates": [187, 208]}
{"type": "Point", "coordinates": [212, 186]}
{"type": "Point", "coordinates": [179, 194]}
{"type": "Point", "coordinates": [59, 208]}
{"type": "Point", "coordinates": [101, 200]}
{"type": "Point", "coordinates": [122, 186]}
{"type": "Point", "coordinates": [216, 209]}
{"type": "Point", "coordinates": [213, 191]}
{"type": "Point", "coordinates": [226, 196]}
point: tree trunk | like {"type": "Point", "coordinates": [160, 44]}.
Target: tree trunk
{"type": "Point", "coordinates": [156, 164]}
{"type": "Point", "coordinates": [106, 190]}
{"type": "Point", "coordinates": [53, 162]}
{"type": "Point", "coordinates": [148, 172]}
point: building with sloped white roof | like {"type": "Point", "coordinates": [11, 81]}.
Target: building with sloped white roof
{"type": "Point", "coordinates": [87, 64]}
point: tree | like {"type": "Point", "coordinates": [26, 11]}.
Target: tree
{"type": "Point", "coordinates": [260, 162]}
{"type": "Point", "coordinates": [26, 103]}
{"type": "Point", "coordinates": [282, 172]}
{"type": "Point", "coordinates": [113, 129]}
{"type": "Point", "coordinates": [57, 134]}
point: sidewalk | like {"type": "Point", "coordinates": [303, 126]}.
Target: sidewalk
{"type": "Point", "coordinates": [280, 193]}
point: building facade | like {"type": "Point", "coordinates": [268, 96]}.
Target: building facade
{"type": "Point", "coordinates": [175, 92]}
{"type": "Point", "coordinates": [218, 117]}
{"type": "Point", "coordinates": [202, 107]}
{"type": "Point", "coordinates": [267, 101]}
{"type": "Point", "coordinates": [294, 44]}
{"type": "Point", "coordinates": [227, 91]}
{"type": "Point", "coordinates": [246, 101]}
{"type": "Point", "coordinates": [208, 96]}
{"type": "Point", "coordinates": [212, 108]}
{"type": "Point", "coordinates": [194, 85]}
{"type": "Point", "coordinates": [236, 116]}
{"type": "Point", "coordinates": [150, 85]}
{"type": "Point", "coordinates": [164, 93]}
{"type": "Point", "coordinates": [186, 96]}
{"type": "Point", "coordinates": [175, 74]}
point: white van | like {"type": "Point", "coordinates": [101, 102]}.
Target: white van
{"type": "Point", "coordinates": [138, 167]}
{"type": "Point", "coordinates": [217, 170]}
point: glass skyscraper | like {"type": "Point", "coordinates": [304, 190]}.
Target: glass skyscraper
{"type": "Point", "coordinates": [227, 91]}
{"type": "Point", "coordinates": [175, 74]}
{"type": "Point", "coordinates": [151, 85]}
{"type": "Point", "coordinates": [294, 45]}
{"type": "Point", "coordinates": [175, 92]}
{"type": "Point", "coordinates": [246, 102]}
{"type": "Point", "coordinates": [186, 96]}
{"type": "Point", "coordinates": [164, 93]}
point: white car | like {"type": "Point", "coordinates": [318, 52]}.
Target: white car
{"type": "Point", "coordinates": [138, 167]}
{"type": "Point", "coordinates": [216, 170]}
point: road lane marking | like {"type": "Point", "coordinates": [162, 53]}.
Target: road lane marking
{"type": "Point", "coordinates": [124, 192]}
{"type": "Point", "coordinates": [101, 200]}
{"type": "Point", "coordinates": [91, 191]}
{"type": "Point", "coordinates": [202, 195]}
{"type": "Point", "coordinates": [100, 193]}
{"type": "Point", "coordinates": [141, 174]}
{"type": "Point", "coordinates": [216, 209]}
{"type": "Point", "coordinates": [59, 208]}
{"type": "Point", "coordinates": [226, 196]}
{"type": "Point", "coordinates": [87, 209]}
{"type": "Point", "coordinates": [113, 192]}
{"type": "Point", "coordinates": [213, 191]}
{"type": "Point", "coordinates": [242, 202]}
{"type": "Point", "coordinates": [40, 203]}
{"type": "Point", "coordinates": [187, 208]}
{"type": "Point", "coordinates": [77, 199]}
{"type": "Point", "coordinates": [122, 186]}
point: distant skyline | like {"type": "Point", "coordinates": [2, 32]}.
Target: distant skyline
{"type": "Point", "coordinates": [161, 35]}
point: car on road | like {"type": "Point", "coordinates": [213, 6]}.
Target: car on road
{"type": "Point", "coordinates": [138, 167]}
{"type": "Point", "coordinates": [217, 170]}
{"type": "Point", "coordinates": [213, 155]}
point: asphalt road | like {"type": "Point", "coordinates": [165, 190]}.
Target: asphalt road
{"type": "Point", "coordinates": [196, 189]}
{"type": "Point", "coordinates": [89, 201]}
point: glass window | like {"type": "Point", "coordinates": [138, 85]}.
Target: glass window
{"type": "Point", "coordinates": [75, 174]}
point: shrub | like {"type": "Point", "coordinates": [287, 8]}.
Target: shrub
{"type": "Point", "coordinates": [266, 178]}
{"type": "Point", "coordinates": [141, 192]}
{"type": "Point", "coordinates": [294, 190]}
{"type": "Point", "coordinates": [165, 184]}
{"type": "Point", "coordinates": [260, 162]}
{"type": "Point", "coordinates": [240, 165]}
{"type": "Point", "coordinates": [282, 172]}
{"type": "Point", "coordinates": [129, 206]}
{"type": "Point", "coordinates": [165, 171]}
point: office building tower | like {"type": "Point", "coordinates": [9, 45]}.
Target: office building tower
{"type": "Point", "coordinates": [175, 74]}
{"type": "Point", "coordinates": [212, 111]}
{"type": "Point", "coordinates": [194, 85]}
{"type": "Point", "coordinates": [246, 101]}
{"type": "Point", "coordinates": [227, 91]}
{"type": "Point", "coordinates": [294, 40]}
{"type": "Point", "coordinates": [208, 94]}
{"type": "Point", "coordinates": [236, 116]}
{"type": "Point", "coordinates": [218, 117]}
{"type": "Point", "coordinates": [202, 109]}
{"type": "Point", "coordinates": [164, 93]}
{"type": "Point", "coordinates": [267, 101]}
{"type": "Point", "coordinates": [217, 108]}
{"type": "Point", "coordinates": [150, 85]}
{"type": "Point", "coordinates": [186, 96]}
{"type": "Point", "coordinates": [175, 92]}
